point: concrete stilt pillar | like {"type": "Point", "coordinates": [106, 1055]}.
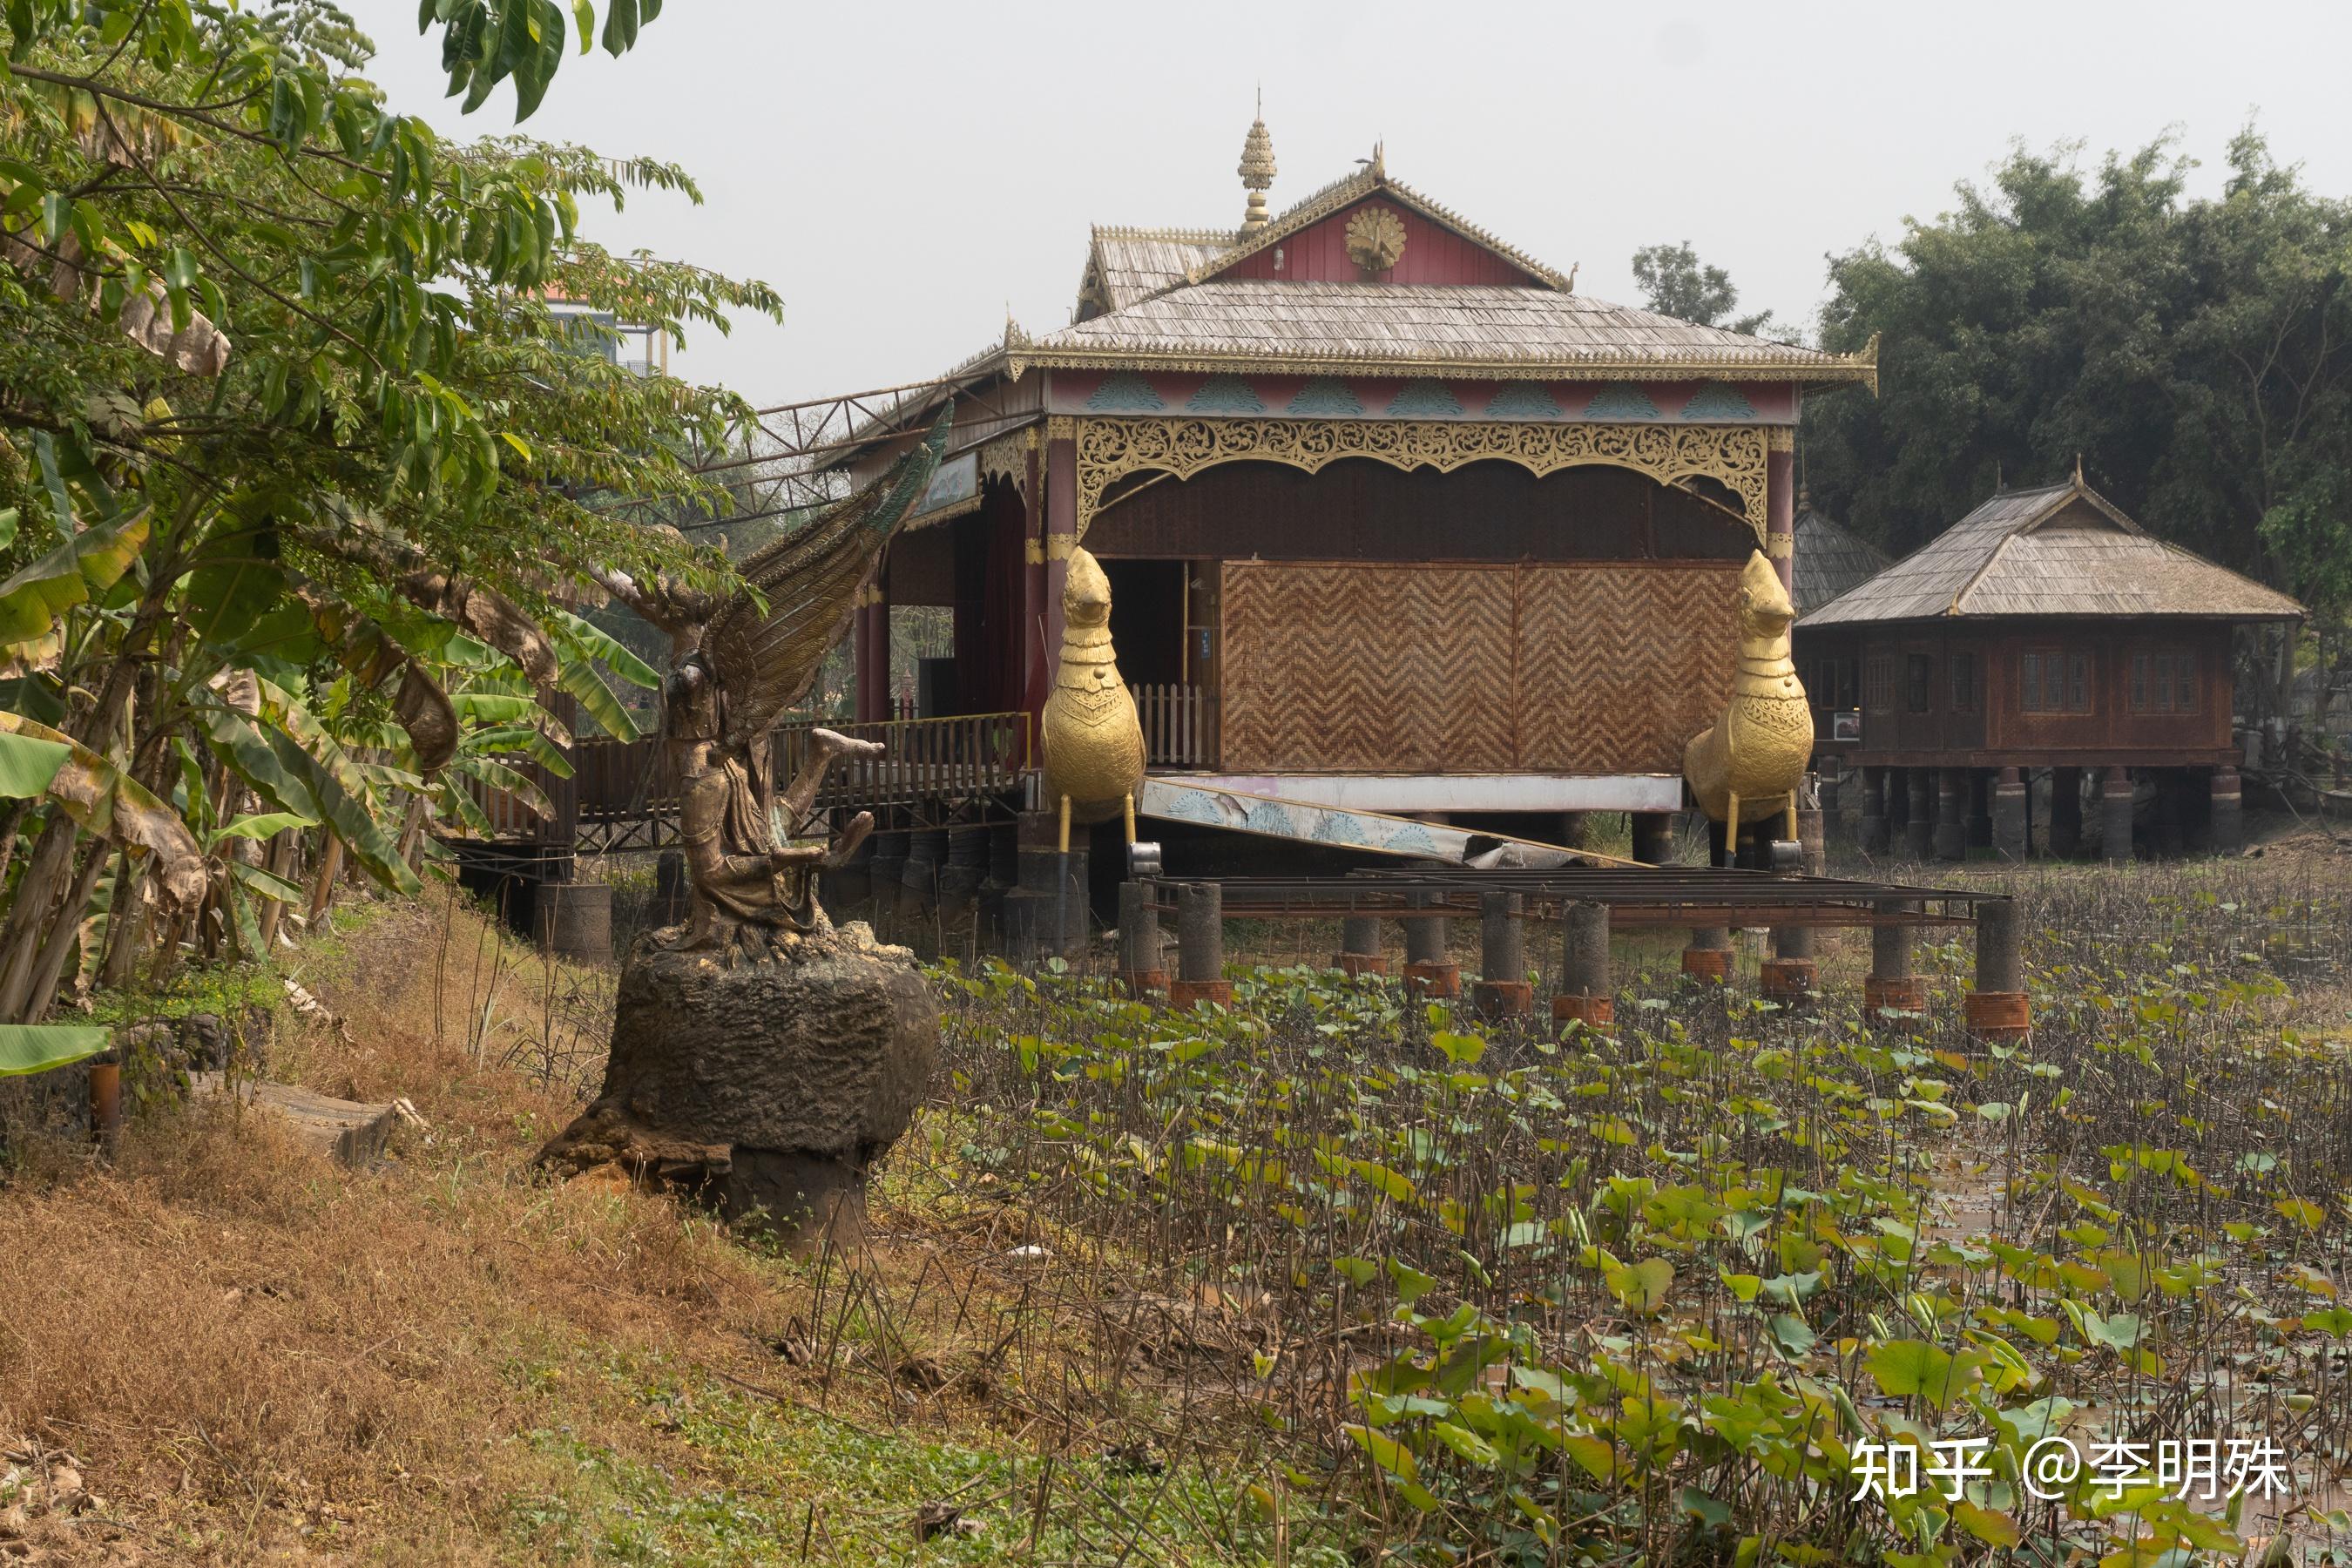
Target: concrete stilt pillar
{"type": "Point", "coordinates": [1980, 787]}
{"type": "Point", "coordinates": [1951, 820]}
{"type": "Point", "coordinates": [1199, 947]}
{"type": "Point", "coordinates": [1141, 966]}
{"type": "Point", "coordinates": [1428, 971]}
{"type": "Point", "coordinates": [919, 879]}
{"type": "Point", "coordinates": [1813, 824]}
{"type": "Point", "coordinates": [2065, 813]}
{"type": "Point", "coordinates": [1654, 837]}
{"type": "Point", "coordinates": [2227, 827]}
{"type": "Point", "coordinates": [1360, 947]}
{"type": "Point", "coordinates": [1997, 1009]}
{"type": "Point", "coordinates": [1707, 959]}
{"type": "Point", "coordinates": [887, 869]}
{"type": "Point", "coordinates": [1503, 991]}
{"type": "Point", "coordinates": [1792, 974]}
{"type": "Point", "coordinates": [1891, 985]}
{"type": "Point", "coordinates": [2011, 812]}
{"type": "Point", "coordinates": [2116, 814]}
{"type": "Point", "coordinates": [1573, 826]}
{"type": "Point", "coordinates": [1586, 995]}
{"type": "Point", "coordinates": [1874, 811]}
{"type": "Point", "coordinates": [1919, 821]}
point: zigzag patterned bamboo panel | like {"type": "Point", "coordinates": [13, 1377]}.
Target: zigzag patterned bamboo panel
{"type": "Point", "coordinates": [1367, 669]}
{"type": "Point", "coordinates": [1621, 664]}
{"type": "Point", "coordinates": [1600, 669]}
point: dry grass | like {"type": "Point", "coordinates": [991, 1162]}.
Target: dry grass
{"type": "Point", "coordinates": [254, 1356]}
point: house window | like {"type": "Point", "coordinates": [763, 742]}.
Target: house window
{"type": "Point", "coordinates": [2164, 683]}
{"type": "Point", "coordinates": [1918, 682]}
{"type": "Point", "coordinates": [1879, 683]}
{"type": "Point", "coordinates": [2056, 682]}
{"type": "Point", "coordinates": [1964, 683]}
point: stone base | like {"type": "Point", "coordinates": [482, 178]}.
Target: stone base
{"type": "Point", "coordinates": [1355, 965]}
{"type": "Point", "coordinates": [767, 1089]}
{"type": "Point", "coordinates": [1787, 979]}
{"type": "Point", "coordinates": [1432, 979]}
{"type": "Point", "coordinates": [1497, 1000]}
{"type": "Point", "coordinates": [1186, 995]}
{"type": "Point", "coordinates": [1592, 1012]}
{"type": "Point", "coordinates": [1900, 994]}
{"type": "Point", "coordinates": [1141, 984]}
{"type": "Point", "coordinates": [2001, 1016]}
{"type": "Point", "coordinates": [1712, 964]}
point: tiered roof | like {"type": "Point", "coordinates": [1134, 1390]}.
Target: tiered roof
{"type": "Point", "coordinates": [2061, 550]}
{"type": "Point", "coordinates": [1413, 329]}
{"type": "Point", "coordinates": [1830, 560]}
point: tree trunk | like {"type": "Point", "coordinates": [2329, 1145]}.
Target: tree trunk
{"type": "Point", "coordinates": [322, 888]}
{"type": "Point", "coordinates": [45, 873]}
{"type": "Point", "coordinates": [65, 932]}
{"type": "Point", "coordinates": [283, 848]}
{"type": "Point", "coordinates": [126, 928]}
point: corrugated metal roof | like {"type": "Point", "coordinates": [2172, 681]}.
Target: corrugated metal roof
{"type": "Point", "coordinates": [1425, 326]}
{"type": "Point", "coordinates": [1830, 560]}
{"type": "Point", "coordinates": [2061, 550]}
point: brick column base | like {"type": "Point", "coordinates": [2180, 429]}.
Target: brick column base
{"type": "Point", "coordinates": [1432, 979]}
{"type": "Point", "coordinates": [1499, 999]}
{"type": "Point", "coordinates": [1357, 964]}
{"type": "Point", "coordinates": [1787, 979]}
{"type": "Point", "coordinates": [1900, 994]}
{"type": "Point", "coordinates": [1143, 983]}
{"type": "Point", "coordinates": [1712, 964]}
{"type": "Point", "coordinates": [1592, 1012]}
{"type": "Point", "coordinates": [1998, 1016]}
{"type": "Point", "coordinates": [1184, 994]}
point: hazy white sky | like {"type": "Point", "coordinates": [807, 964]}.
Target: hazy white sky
{"type": "Point", "coordinates": [904, 173]}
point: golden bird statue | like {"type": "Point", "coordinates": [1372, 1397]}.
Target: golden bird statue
{"type": "Point", "coordinates": [1747, 765]}
{"type": "Point", "coordinates": [1093, 739]}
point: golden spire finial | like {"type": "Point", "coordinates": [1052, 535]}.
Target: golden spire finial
{"type": "Point", "coordinates": [1256, 169]}
{"type": "Point", "coordinates": [2078, 470]}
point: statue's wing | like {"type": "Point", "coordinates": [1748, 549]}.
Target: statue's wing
{"type": "Point", "coordinates": [766, 660]}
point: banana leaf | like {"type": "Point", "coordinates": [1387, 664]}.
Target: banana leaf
{"type": "Point", "coordinates": [91, 562]}
{"type": "Point", "coordinates": [37, 1047]}
{"type": "Point", "coordinates": [29, 764]}
{"type": "Point", "coordinates": [105, 800]}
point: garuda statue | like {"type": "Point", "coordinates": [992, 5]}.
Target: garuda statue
{"type": "Point", "coordinates": [737, 667]}
{"type": "Point", "coordinates": [1093, 742]}
{"type": "Point", "coordinates": [1747, 765]}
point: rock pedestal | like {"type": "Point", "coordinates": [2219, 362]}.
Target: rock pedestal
{"type": "Point", "coordinates": [769, 1091]}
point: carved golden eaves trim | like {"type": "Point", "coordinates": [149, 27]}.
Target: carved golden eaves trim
{"type": "Point", "coordinates": [1827, 368]}
{"type": "Point", "coordinates": [1109, 449]}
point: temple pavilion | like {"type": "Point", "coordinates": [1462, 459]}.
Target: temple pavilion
{"type": "Point", "coordinates": [1395, 519]}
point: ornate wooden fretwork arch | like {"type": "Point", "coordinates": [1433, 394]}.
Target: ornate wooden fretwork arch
{"type": "Point", "coordinates": [1110, 449]}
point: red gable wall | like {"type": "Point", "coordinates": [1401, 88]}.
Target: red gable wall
{"type": "Point", "coordinates": [1432, 254]}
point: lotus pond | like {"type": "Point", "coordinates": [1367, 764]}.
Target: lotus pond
{"type": "Point", "coordinates": [1412, 1289]}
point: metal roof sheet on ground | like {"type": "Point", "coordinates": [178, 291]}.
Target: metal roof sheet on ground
{"type": "Point", "coordinates": [1432, 325]}
{"type": "Point", "coordinates": [1829, 562]}
{"type": "Point", "coordinates": [2060, 549]}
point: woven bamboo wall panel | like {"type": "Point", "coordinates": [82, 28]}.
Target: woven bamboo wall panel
{"type": "Point", "coordinates": [1619, 666]}
{"type": "Point", "coordinates": [1371, 668]}
{"type": "Point", "coordinates": [1367, 669]}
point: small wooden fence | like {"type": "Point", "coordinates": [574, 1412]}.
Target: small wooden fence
{"type": "Point", "coordinates": [1178, 725]}
{"type": "Point", "coordinates": [622, 794]}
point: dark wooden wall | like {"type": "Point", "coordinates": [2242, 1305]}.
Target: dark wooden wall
{"type": "Point", "coordinates": [1990, 723]}
{"type": "Point", "coordinates": [1359, 510]}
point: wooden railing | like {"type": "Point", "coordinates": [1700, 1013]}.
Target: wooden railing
{"type": "Point", "coordinates": [959, 758]}
{"type": "Point", "coordinates": [1178, 725]}
{"type": "Point", "coordinates": [623, 792]}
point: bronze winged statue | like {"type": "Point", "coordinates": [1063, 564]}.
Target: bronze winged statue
{"type": "Point", "coordinates": [737, 666]}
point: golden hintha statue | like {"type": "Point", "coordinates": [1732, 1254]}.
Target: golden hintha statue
{"type": "Point", "coordinates": [1746, 766]}
{"type": "Point", "coordinates": [1093, 739]}
{"type": "Point", "coordinates": [740, 665]}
